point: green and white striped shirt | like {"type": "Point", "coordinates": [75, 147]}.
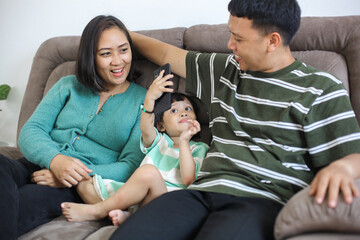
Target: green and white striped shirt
{"type": "Point", "coordinates": [166, 159]}
{"type": "Point", "coordinates": [271, 131]}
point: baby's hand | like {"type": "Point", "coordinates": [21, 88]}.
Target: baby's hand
{"type": "Point", "coordinates": [159, 86]}
{"type": "Point", "coordinates": [194, 128]}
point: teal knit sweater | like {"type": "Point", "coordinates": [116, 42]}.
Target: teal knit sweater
{"type": "Point", "coordinates": [65, 122]}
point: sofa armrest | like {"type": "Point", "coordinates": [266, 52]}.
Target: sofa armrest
{"type": "Point", "coordinates": [303, 215]}
{"type": "Point", "coordinates": [11, 152]}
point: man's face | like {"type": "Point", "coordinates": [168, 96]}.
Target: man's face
{"type": "Point", "coordinates": [248, 44]}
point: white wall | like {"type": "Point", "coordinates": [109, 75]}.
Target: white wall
{"type": "Point", "coordinates": [25, 24]}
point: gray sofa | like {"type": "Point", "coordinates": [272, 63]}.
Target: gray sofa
{"type": "Point", "coordinates": [328, 43]}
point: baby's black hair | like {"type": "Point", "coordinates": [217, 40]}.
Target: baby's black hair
{"type": "Point", "coordinates": [176, 97]}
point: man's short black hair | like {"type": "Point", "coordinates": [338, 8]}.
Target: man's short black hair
{"type": "Point", "coordinates": [282, 16]}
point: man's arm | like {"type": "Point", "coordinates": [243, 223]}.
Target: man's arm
{"type": "Point", "coordinates": [160, 53]}
{"type": "Point", "coordinates": [336, 177]}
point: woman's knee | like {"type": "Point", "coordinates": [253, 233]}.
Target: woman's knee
{"type": "Point", "coordinates": [14, 171]}
{"type": "Point", "coordinates": [6, 163]}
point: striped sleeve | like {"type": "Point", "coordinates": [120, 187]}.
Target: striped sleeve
{"type": "Point", "coordinates": [330, 128]}
{"type": "Point", "coordinates": [203, 79]}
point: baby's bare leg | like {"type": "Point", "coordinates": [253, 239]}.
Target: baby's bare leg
{"type": "Point", "coordinates": [143, 186]}
{"type": "Point", "coordinates": [87, 192]}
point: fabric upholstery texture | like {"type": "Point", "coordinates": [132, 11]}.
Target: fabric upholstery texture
{"type": "Point", "coordinates": [303, 215]}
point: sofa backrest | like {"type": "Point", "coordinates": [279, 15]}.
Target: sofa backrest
{"type": "Point", "coordinates": [331, 44]}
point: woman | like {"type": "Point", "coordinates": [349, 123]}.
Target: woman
{"type": "Point", "coordinates": [82, 127]}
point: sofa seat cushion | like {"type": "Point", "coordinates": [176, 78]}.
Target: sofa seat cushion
{"type": "Point", "coordinates": [11, 152]}
{"type": "Point", "coordinates": [60, 228]}
{"type": "Point", "coordinates": [326, 236]}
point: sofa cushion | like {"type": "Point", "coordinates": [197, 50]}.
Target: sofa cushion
{"type": "Point", "coordinates": [334, 34]}
{"type": "Point", "coordinates": [302, 215]}
{"type": "Point", "coordinates": [330, 62]}
{"type": "Point", "coordinates": [60, 228]}
{"type": "Point", "coordinates": [325, 236]}
{"type": "Point", "coordinates": [207, 38]}
{"type": "Point", "coordinates": [11, 152]}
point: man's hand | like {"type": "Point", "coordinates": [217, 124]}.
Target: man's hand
{"type": "Point", "coordinates": [69, 171]}
{"type": "Point", "coordinates": [46, 177]}
{"type": "Point", "coordinates": [338, 176]}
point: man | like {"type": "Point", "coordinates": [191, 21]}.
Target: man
{"type": "Point", "coordinates": [275, 123]}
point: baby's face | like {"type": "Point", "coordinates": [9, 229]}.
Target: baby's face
{"type": "Point", "coordinates": [175, 120]}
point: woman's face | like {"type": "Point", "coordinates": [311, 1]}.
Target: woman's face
{"type": "Point", "coordinates": [113, 59]}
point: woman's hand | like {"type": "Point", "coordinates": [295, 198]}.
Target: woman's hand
{"type": "Point", "coordinates": [338, 176]}
{"type": "Point", "coordinates": [46, 177]}
{"type": "Point", "coordinates": [69, 171]}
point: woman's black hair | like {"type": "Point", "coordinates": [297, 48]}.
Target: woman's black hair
{"type": "Point", "coordinates": [282, 16]}
{"type": "Point", "coordinates": [85, 64]}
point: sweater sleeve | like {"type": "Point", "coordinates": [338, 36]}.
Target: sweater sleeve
{"type": "Point", "coordinates": [34, 139]}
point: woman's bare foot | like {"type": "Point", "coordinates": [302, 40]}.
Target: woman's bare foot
{"type": "Point", "coordinates": [118, 216]}
{"type": "Point", "coordinates": [76, 212]}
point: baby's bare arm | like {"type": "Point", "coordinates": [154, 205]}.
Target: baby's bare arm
{"type": "Point", "coordinates": [156, 89]}
{"type": "Point", "coordinates": [187, 164]}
